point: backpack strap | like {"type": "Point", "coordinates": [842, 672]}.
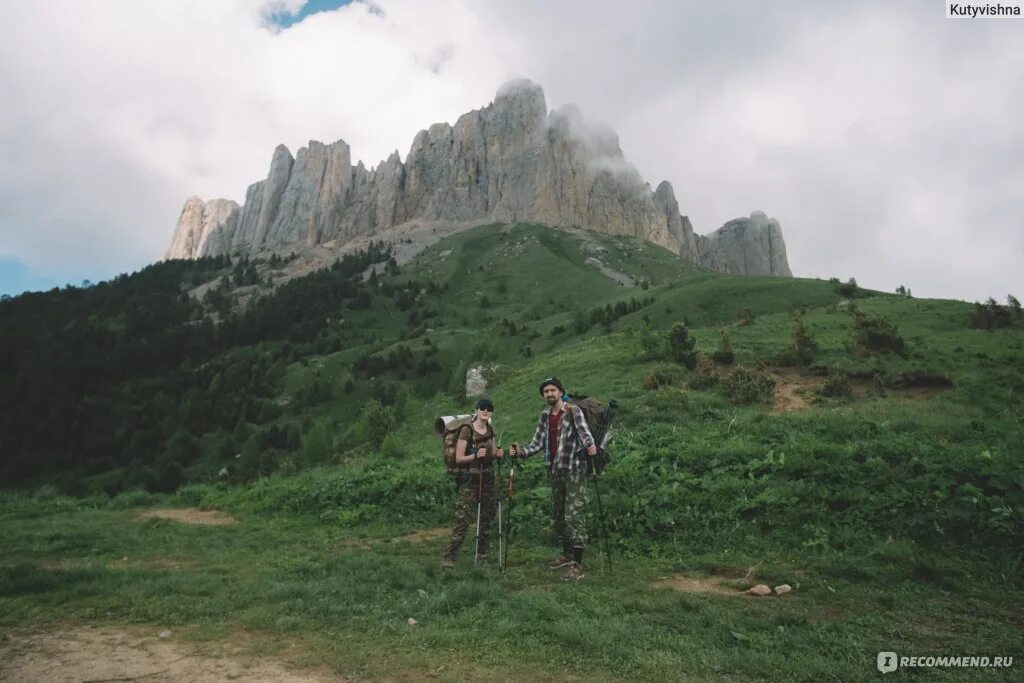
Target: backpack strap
{"type": "Point", "coordinates": [461, 435]}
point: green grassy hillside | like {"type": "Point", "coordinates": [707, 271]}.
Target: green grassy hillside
{"type": "Point", "coordinates": [877, 469]}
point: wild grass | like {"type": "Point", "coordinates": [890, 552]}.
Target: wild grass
{"type": "Point", "coordinates": [897, 516]}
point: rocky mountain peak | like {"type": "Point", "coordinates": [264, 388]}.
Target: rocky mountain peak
{"type": "Point", "coordinates": [510, 161]}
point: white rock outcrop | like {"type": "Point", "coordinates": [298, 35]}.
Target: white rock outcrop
{"type": "Point", "coordinates": [746, 246]}
{"type": "Point", "coordinates": [509, 161]}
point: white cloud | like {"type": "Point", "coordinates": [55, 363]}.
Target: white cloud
{"type": "Point", "coordinates": [881, 135]}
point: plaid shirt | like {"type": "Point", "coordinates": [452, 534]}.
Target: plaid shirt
{"type": "Point", "coordinates": [572, 442]}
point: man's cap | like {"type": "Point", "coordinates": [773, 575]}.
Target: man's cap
{"type": "Point", "coordinates": [485, 403]}
{"type": "Point", "coordinates": [551, 380]}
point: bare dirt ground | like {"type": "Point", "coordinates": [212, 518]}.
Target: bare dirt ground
{"type": "Point", "coordinates": [714, 585]}
{"type": "Point", "coordinates": [421, 536]}
{"type": "Point", "coordinates": [687, 584]}
{"type": "Point", "coordinates": [173, 563]}
{"type": "Point", "coordinates": [425, 535]}
{"type": "Point", "coordinates": [191, 516]}
{"type": "Point", "coordinates": [794, 391]}
{"type": "Point", "coordinates": [100, 654]}
{"type": "Point", "coordinates": [797, 390]}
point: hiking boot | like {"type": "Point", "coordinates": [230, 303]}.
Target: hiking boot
{"type": "Point", "coordinates": [447, 564]}
{"type": "Point", "coordinates": [575, 572]}
{"type": "Point", "coordinates": [562, 560]}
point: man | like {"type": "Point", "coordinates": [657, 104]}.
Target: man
{"type": "Point", "coordinates": [564, 436]}
{"type": "Point", "coordinates": [474, 482]}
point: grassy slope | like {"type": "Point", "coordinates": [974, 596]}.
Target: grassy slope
{"type": "Point", "coordinates": [865, 506]}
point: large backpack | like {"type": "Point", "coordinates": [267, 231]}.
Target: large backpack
{"type": "Point", "coordinates": [599, 416]}
{"type": "Point", "coordinates": [448, 428]}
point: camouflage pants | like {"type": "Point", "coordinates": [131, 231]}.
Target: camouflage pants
{"type": "Point", "coordinates": [465, 513]}
{"type": "Point", "coordinates": [570, 497]}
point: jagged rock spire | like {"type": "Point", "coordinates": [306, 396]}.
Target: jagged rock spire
{"type": "Point", "coordinates": [509, 161]}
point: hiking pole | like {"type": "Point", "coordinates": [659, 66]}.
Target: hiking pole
{"type": "Point", "coordinates": [501, 540]}
{"type": "Point", "coordinates": [601, 442]}
{"type": "Point", "coordinates": [479, 499]}
{"type": "Point", "coordinates": [604, 529]}
{"type": "Point", "coordinates": [511, 501]}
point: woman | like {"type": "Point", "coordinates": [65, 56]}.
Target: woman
{"type": "Point", "coordinates": [475, 501]}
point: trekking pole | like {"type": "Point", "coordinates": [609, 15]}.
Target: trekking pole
{"type": "Point", "coordinates": [479, 499]}
{"type": "Point", "coordinates": [501, 540]}
{"type": "Point", "coordinates": [511, 501]}
{"type": "Point", "coordinates": [600, 441]}
{"type": "Point", "coordinates": [604, 529]}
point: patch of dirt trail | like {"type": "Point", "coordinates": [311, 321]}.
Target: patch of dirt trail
{"type": "Point", "coordinates": [421, 536]}
{"type": "Point", "coordinates": [191, 516]}
{"type": "Point", "coordinates": [91, 655]}
{"type": "Point", "coordinates": [171, 563]}
{"type": "Point", "coordinates": [425, 535]}
{"type": "Point", "coordinates": [688, 584]}
{"type": "Point", "coordinates": [794, 391]}
{"type": "Point", "coordinates": [797, 390]}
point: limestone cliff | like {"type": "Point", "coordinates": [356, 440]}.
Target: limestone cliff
{"type": "Point", "coordinates": [746, 246]}
{"type": "Point", "coordinates": [510, 161]}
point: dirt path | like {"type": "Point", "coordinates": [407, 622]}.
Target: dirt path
{"type": "Point", "coordinates": [798, 390]}
{"type": "Point", "coordinates": [90, 655]}
{"type": "Point", "coordinates": [191, 516]}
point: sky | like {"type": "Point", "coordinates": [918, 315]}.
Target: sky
{"type": "Point", "coordinates": [885, 138]}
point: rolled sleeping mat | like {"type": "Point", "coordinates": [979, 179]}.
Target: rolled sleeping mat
{"type": "Point", "coordinates": [445, 422]}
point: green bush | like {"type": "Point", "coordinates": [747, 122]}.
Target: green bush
{"type": "Point", "coordinates": [837, 384]}
{"type": "Point", "coordinates": [317, 443]}
{"type": "Point", "coordinates": [706, 375]}
{"type": "Point", "coordinates": [723, 354]}
{"type": "Point", "coordinates": [392, 446]}
{"type": "Point", "coordinates": [991, 316]}
{"type": "Point", "coordinates": [682, 346]}
{"type": "Point", "coordinates": [876, 334]}
{"type": "Point", "coordinates": [804, 346]}
{"type": "Point", "coordinates": [373, 424]}
{"type": "Point", "coordinates": [662, 376]}
{"type": "Point", "coordinates": [848, 289]}
{"type": "Point", "coordinates": [747, 385]}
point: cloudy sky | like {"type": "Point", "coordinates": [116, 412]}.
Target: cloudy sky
{"type": "Point", "coordinates": [885, 138]}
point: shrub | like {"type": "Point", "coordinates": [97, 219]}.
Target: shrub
{"type": "Point", "coordinates": [837, 384]}
{"type": "Point", "coordinates": [804, 345]}
{"type": "Point", "coordinates": [392, 446]}
{"type": "Point", "coordinates": [723, 354]}
{"type": "Point", "coordinates": [682, 346]}
{"type": "Point", "coordinates": [317, 443]}
{"type": "Point", "coordinates": [876, 334]}
{"type": "Point", "coordinates": [848, 289]}
{"type": "Point", "coordinates": [707, 375]}
{"type": "Point", "coordinates": [747, 385]}
{"type": "Point", "coordinates": [991, 316]}
{"type": "Point", "coordinates": [371, 426]}
{"type": "Point", "coordinates": [662, 377]}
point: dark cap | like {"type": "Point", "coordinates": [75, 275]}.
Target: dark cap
{"type": "Point", "coordinates": [551, 380]}
{"type": "Point", "coordinates": [485, 403]}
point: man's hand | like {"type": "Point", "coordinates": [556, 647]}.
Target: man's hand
{"type": "Point", "coordinates": [514, 450]}
{"type": "Point", "coordinates": [591, 451]}
{"type": "Point", "coordinates": [499, 452]}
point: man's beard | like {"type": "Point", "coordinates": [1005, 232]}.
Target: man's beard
{"type": "Point", "coordinates": [552, 400]}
